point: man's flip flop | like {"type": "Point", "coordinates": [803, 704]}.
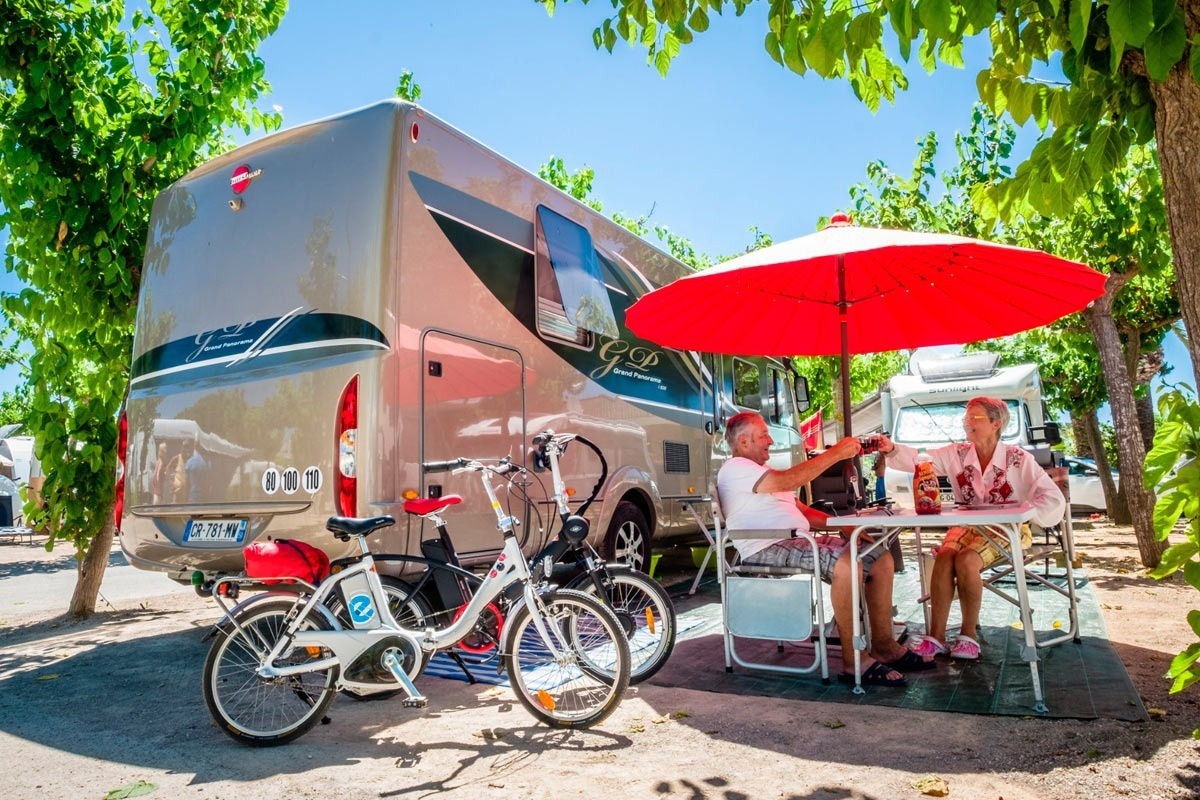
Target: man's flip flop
{"type": "Point", "coordinates": [874, 675]}
{"type": "Point", "coordinates": [911, 662]}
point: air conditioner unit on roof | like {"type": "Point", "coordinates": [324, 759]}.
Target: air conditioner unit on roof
{"type": "Point", "coordinates": [971, 365]}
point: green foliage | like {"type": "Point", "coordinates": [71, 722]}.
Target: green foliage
{"type": "Point", "coordinates": [1173, 471]}
{"type": "Point", "coordinates": [408, 88]}
{"type": "Point", "coordinates": [1109, 50]}
{"type": "Point", "coordinates": [14, 406]}
{"type": "Point", "coordinates": [99, 112]}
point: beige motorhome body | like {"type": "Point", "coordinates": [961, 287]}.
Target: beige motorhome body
{"type": "Point", "coordinates": [384, 264]}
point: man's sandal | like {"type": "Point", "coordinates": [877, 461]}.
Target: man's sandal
{"type": "Point", "coordinates": [874, 675]}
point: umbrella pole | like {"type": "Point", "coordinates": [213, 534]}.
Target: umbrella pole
{"type": "Point", "coordinates": [845, 368]}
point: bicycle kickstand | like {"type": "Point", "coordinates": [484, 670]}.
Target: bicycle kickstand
{"type": "Point", "coordinates": [414, 699]}
{"type": "Point", "coordinates": [457, 659]}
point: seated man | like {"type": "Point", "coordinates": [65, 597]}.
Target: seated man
{"type": "Point", "coordinates": [754, 496]}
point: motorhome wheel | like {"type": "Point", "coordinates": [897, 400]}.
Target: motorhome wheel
{"type": "Point", "coordinates": [628, 537]}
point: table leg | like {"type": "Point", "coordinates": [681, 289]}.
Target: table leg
{"type": "Point", "coordinates": [923, 581]}
{"type": "Point", "coordinates": [712, 546]}
{"type": "Point", "coordinates": [1029, 651]}
{"type": "Point", "coordinates": [856, 607]}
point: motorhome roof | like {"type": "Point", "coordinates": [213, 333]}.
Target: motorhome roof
{"type": "Point", "coordinates": [1005, 382]}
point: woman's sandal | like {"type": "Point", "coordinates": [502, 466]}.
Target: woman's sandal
{"type": "Point", "coordinates": [874, 675]}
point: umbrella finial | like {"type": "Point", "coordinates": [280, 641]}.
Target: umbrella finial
{"type": "Point", "coordinates": [839, 220]}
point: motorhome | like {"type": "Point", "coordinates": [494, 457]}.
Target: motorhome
{"type": "Point", "coordinates": [327, 308]}
{"type": "Point", "coordinates": [924, 409]}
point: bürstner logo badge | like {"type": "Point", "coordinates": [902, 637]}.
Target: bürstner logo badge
{"type": "Point", "coordinates": [242, 177]}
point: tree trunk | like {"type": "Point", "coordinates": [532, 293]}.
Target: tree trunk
{"type": "Point", "coordinates": [1145, 413]}
{"type": "Point", "coordinates": [1177, 131]}
{"type": "Point", "coordinates": [1131, 453]}
{"type": "Point", "coordinates": [1079, 430]}
{"type": "Point", "coordinates": [91, 571]}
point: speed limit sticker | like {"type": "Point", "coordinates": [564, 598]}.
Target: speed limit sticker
{"type": "Point", "coordinates": [289, 481]}
{"type": "Point", "coordinates": [270, 480]}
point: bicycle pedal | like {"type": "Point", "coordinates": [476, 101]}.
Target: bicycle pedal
{"type": "Point", "coordinates": [415, 702]}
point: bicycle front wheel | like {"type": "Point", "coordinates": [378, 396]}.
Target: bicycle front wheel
{"type": "Point", "coordinates": [646, 614]}
{"type": "Point", "coordinates": [585, 682]}
{"type": "Point", "coordinates": [265, 711]}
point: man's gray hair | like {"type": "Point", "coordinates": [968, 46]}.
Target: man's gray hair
{"type": "Point", "coordinates": [996, 409]}
{"type": "Point", "coordinates": [736, 425]}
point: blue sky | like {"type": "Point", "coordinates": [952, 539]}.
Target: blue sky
{"type": "Point", "coordinates": [729, 140]}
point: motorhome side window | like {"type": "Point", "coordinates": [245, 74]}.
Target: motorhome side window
{"type": "Point", "coordinates": [573, 302]}
{"type": "Point", "coordinates": [747, 385]}
{"type": "Point", "coordinates": [779, 408]}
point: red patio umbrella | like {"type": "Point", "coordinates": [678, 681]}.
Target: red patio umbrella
{"type": "Point", "coordinates": [846, 290]}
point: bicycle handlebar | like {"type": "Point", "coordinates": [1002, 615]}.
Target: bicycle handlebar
{"type": "Point", "coordinates": [443, 466]}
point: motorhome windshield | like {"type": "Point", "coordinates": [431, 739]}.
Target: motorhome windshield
{"type": "Point", "coordinates": [942, 422]}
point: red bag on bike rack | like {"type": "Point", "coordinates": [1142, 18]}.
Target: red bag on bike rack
{"type": "Point", "coordinates": [286, 558]}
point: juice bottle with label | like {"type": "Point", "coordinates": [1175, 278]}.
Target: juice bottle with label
{"type": "Point", "coordinates": [927, 498]}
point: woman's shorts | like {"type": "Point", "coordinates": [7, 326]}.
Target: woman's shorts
{"type": "Point", "coordinates": [970, 538]}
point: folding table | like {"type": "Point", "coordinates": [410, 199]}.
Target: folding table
{"type": "Point", "coordinates": [1002, 524]}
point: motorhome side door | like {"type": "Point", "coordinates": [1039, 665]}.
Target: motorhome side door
{"type": "Point", "coordinates": [472, 405]}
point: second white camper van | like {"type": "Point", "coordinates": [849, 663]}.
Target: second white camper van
{"type": "Point", "coordinates": [323, 310]}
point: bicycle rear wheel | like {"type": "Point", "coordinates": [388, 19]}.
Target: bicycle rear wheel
{"type": "Point", "coordinates": [646, 614]}
{"type": "Point", "coordinates": [259, 711]}
{"type": "Point", "coordinates": [586, 682]}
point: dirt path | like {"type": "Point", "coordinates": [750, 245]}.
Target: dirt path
{"type": "Point", "coordinates": [86, 709]}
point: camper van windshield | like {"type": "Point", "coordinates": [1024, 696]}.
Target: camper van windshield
{"type": "Point", "coordinates": [942, 422]}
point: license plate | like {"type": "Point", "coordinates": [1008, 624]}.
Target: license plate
{"type": "Point", "coordinates": [215, 530]}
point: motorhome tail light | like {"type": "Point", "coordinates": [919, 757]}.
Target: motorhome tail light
{"type": "Point", "coordinates": [347, 434]}
{"type": "Point", "coordinates": [122, 446]}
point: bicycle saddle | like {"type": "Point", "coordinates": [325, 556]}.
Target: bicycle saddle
{"type": "Point", "coordinates": [345, 527]}
{"type": "Point", "coordinates": [428, 505]}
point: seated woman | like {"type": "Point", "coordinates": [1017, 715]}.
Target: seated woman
{"type": "Point", "coordinates": [981, 470]}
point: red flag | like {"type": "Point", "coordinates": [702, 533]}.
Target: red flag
{"type": "Point", "coordinates": [812, 432]}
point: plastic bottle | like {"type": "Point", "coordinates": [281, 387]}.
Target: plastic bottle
{"type": "Point", "coordinates": [927, 499]}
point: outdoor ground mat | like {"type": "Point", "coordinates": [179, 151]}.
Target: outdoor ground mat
{"type": "Point", "coordinates": [1081, 681]}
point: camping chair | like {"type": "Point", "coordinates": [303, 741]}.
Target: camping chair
{"type": "Point", "coordinates": [10, 521]}
{"type": "Point", "coordinates": [1054, 540]}
{"type": "Point", "coordinates": [780, 604]}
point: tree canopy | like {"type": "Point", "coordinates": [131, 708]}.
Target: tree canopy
{"type": "Point", "coordinates": [99, 112]}
{"type": "Point", "coordinates": [1099, 77]}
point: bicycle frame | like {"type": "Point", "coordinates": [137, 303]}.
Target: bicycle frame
{"type": "Point", "coordinates": [349, 644]}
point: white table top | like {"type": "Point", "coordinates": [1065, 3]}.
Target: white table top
{"type": "Point", "coordinates": [951, 515]}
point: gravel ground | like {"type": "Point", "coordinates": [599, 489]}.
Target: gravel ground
{"type": "Point", "coordinates": [114, 703]}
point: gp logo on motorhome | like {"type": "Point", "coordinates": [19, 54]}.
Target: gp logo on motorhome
{"type": "Point", "coordinates": [242, 177]}
{"type": "Point", "coordinates": [250, 350]}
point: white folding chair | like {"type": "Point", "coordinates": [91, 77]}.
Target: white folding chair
{"type": "Point", "coordinates": [780, 604]}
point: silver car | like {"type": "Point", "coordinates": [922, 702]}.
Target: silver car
{"type": "Point", "coordinates": [1087, 495]}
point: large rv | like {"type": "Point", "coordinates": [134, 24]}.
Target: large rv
{"type": "Point", "coordinates": [327, 308]}
{"type": "Point", "coordinates": [924, 409]}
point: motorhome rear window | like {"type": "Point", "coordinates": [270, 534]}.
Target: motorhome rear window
{"type": "Point", "coordinates": [572, 299]}
{"type": "Point", "coordinates": [943, 422]}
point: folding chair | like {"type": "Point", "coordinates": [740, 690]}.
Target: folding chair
{"type": "Point", "coordinates": [10, 521]}
{"type": "Point", "coordinates": [780, 604]}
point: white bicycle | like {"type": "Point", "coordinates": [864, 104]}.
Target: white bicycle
{"type": "Point", "coordinates": [280, 657]}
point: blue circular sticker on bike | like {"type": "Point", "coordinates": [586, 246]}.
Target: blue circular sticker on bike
{"type": "Point", "coordinates": [361, 608]}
